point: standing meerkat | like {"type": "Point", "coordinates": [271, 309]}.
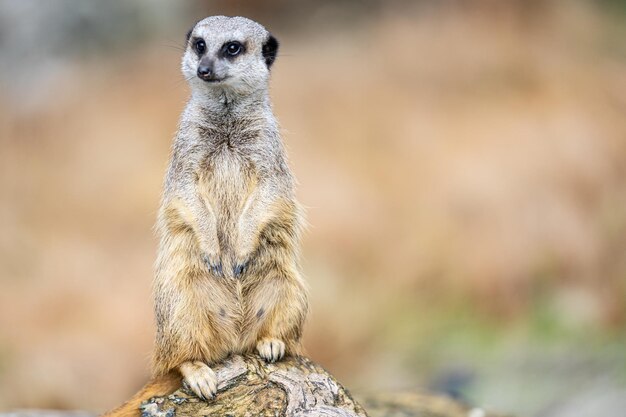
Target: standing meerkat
{"type": "Point", "coordinates": [227, 276]}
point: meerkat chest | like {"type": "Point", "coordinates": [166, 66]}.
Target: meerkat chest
{"type": "Point", "coordinates": [229, 176]}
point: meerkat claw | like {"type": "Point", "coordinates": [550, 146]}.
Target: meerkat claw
{"type": "Point", "coordinates": [271, 349]}
{"type": "Point", "coordinates": [214, 266]}
{"type": "Point", "coordinates": [239, 269]}
{"type": "Point", "coordinates": [200, 379]}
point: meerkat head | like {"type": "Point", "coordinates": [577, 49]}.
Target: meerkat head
{"type": "Point", "coordinates": [228, 53]}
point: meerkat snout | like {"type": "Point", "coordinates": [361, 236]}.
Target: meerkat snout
{"type": "Point", "coordinates": [205, 70]}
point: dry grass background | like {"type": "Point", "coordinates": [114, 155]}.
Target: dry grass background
{"type": "Point", "coordinates": [463, 169]}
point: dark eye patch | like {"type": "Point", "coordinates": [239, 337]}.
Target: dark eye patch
{"type": "Point", "coordinates": [199, 46]}
{"type": "Point", "coordinates": [232, 49]}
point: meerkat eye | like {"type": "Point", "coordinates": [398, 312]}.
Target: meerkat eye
{"type": "Point", "coordinates": [200, 46]}
{"type": "Point", "coordinates": [232, 48]}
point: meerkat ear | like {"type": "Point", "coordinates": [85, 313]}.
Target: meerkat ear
{"type": "Point", "coordinates": [270, 50]}
{"type": "Point", "coordinates": [189, 32]}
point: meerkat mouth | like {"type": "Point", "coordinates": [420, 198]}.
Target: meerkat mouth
{"type": "Point", "coordinates": [214, 80]}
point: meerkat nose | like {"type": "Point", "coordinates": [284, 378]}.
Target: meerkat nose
{"type": "Point", "coordinates": [205, 72]}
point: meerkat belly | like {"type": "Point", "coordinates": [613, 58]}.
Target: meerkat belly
{"type": "Point", "coordinates": [230, 182]}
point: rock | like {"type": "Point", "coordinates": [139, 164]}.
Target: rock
{"type": "Point", "coordinates": [293, 387]}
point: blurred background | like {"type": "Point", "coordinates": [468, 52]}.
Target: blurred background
{"type": "Point", "coordinates": [463, 165]}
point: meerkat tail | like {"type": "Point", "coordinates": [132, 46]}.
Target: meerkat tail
{"type": "Point", "coordinates": [159, 386]}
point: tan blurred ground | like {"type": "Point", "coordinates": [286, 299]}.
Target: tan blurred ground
{"type": "Point", "coordinates": [463, 170]}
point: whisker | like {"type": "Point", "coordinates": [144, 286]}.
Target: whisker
{"type": "Point", "coordinates": [174, 45]}
{"type": "Point", "coordinates": [175, 48]}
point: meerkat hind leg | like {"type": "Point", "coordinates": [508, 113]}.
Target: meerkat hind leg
{"type": "Point", "coordinates": [199, 378]}
{"type": "Point", "coordinates": [271, 349]}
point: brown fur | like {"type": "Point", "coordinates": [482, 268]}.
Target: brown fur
{"type": "Point", "coordinates": [162, 385]}
{"type": "Point", "coordinates": [227, 277]}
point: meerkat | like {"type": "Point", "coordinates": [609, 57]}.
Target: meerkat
{"type": "Point", "coordinates": [227, 277]}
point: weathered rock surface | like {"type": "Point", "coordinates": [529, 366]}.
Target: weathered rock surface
{"type": "Point", "coordinates": [293, 387]}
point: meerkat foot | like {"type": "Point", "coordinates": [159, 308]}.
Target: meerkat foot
{"type": "Point", "coordinates": [200, 379]}
{"type": "Point", "coordinates": [271, 349]}
{"type": "Point", "coordinates": [214, 264]}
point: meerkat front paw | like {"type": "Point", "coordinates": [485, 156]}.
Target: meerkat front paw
{"type": "Point", "coordinates": [243, 257]}
{"type": "Point", "coordinates": [214, 264]}
{"type": "Point", "coordinates": [240, 267]}
{"type": "Point", "coordinates": [200, 379]}
{"type": "Point", "coordinates": [241, 262]}
{"type": "Point", "coordinates": [271, 349]}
